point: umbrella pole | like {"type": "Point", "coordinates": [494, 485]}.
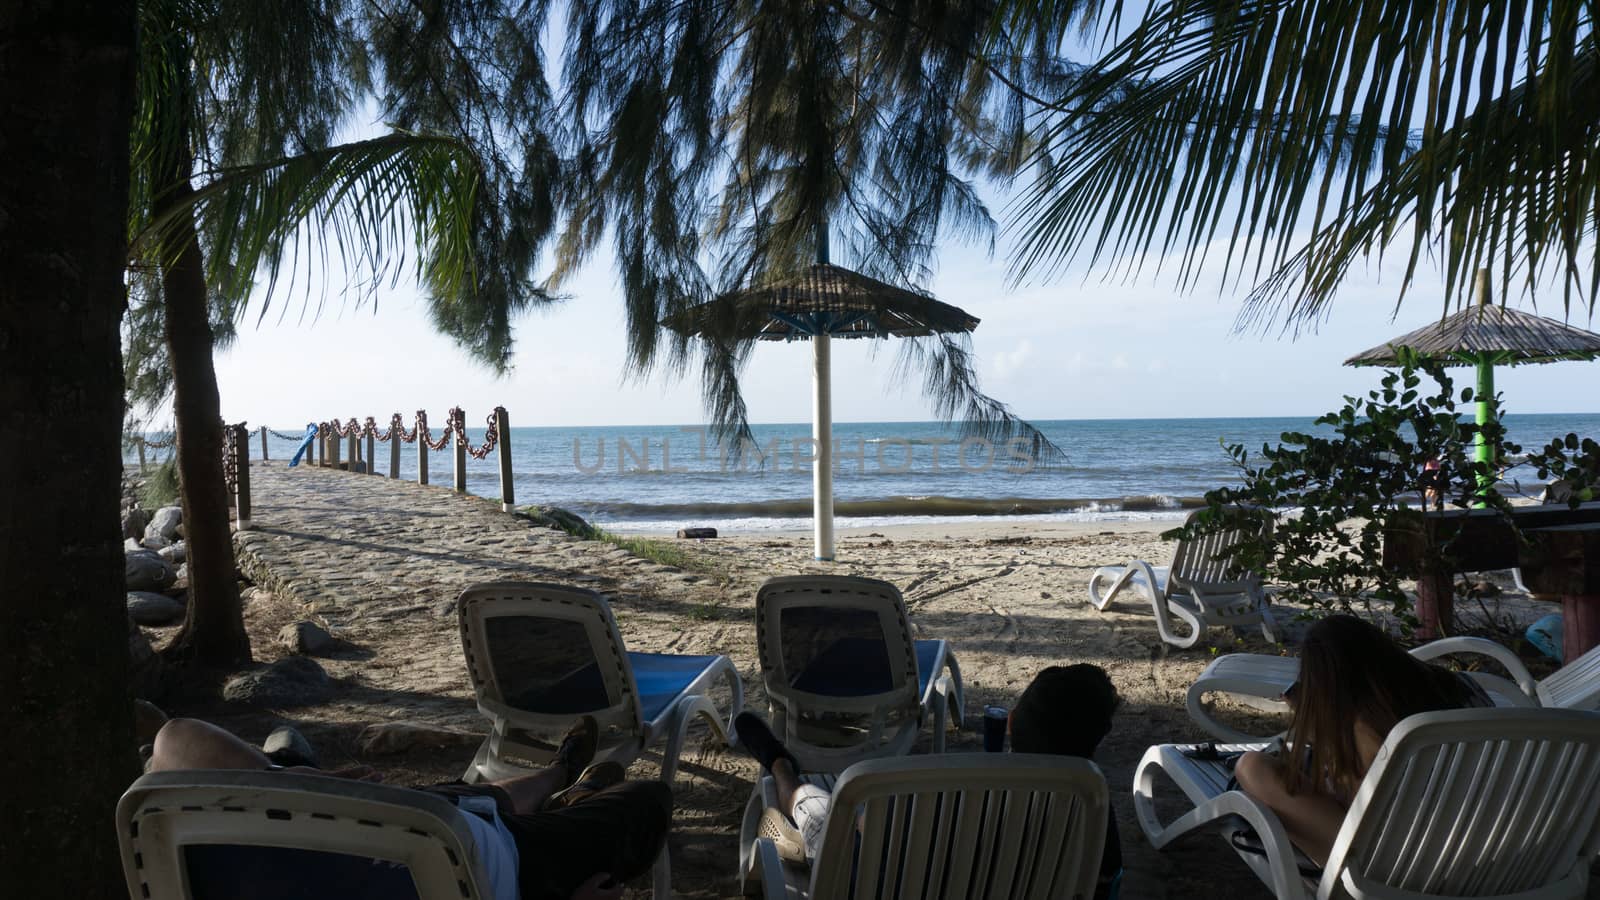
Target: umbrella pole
{"type": "Point", "coordinates": [822, 435]}
{"type": "Point", "coordinates": [1482, 451]}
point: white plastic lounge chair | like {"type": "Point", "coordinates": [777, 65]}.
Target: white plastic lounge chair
{"type": "Point", "coordinates": [1197, 588]}
{"type": "Point", "coordinates": [251, 835]}
{"type": "Point", "coordinates": [957, 825]}
{"type": "Point", "coordinates": [845, 680]}
{"type": "Point", "coordinates": [541, 654]}
{"type": "Point", "coordinates": [1465, 803]}
{"type": "Point", "coordinates": [1260, 680]}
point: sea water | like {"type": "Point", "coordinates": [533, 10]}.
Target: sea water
{"type": "Point", "coordinates": [661, 478]}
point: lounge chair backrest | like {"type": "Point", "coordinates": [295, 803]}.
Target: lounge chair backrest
{"type": "Point", "coordinates": [803, 621]}
{"type": "Point", "coordinates": [546, 653]}
{"type": "Point", "coordinates": [965, 825]}
{"type": "Point", "coordinates": [1199, 566]}
{"type": "Point", "coordinates": [1575, 685]}
{"type": "Point", "coordinates": [1475, 803]}
{"type": "Point", "coordinates": [247, 835]}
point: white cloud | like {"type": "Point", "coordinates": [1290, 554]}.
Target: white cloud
{"type": "Point", "coordinates": [1009, 362]}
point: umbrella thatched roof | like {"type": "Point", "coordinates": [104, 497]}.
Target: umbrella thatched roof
{"type": "Point", "coordinates": [1506, 336]}
{"type": "Point", "coordinates": [822, 298]}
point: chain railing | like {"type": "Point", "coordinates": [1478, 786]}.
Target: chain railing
{"type": "Point", "coordinates": [321, 446]}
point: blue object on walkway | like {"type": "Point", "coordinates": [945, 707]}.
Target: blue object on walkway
{"type": "Point", "coordinates": [1545, 636]}
{"type": "Point", "coordinates": [311, 435]}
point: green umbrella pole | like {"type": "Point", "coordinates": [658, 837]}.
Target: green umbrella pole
{"type": "Point", "coordinates": [1482, 451]}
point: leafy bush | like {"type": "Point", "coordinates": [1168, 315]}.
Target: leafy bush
{"type": "Point", "coordinates": [1331, 499]}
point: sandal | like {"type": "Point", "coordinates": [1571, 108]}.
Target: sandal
{"type": "Point", "coordinates": [773, 826]}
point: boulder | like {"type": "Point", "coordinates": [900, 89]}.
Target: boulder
{"type": "Point", "coordinates": [134, 521]}
{"type": "Point", "coordinates": [175, 553]}
{"type": "Point", "coordinates": [132, 545]}
{"type": "Point", "coordinates": [145, 570]}
{"type": "Point", "coordinates": [306, 637]}
{"type": "Point", "coordinates": [153, 609]}
{"type": "Point", "coordinates": [401, 737]}
{"type": "Point", "coordinates": [139, 649]}
{"type": "Point", "coordinates": [558, 518]}
{"type": "Point", "coordinates": [288, 747]}
{"type": "Point", "coordinates": [164, 524]}
{"type": "Point", "coordinates": [291, 681]}
{"type": "Point", "coordinates": [154, 542]}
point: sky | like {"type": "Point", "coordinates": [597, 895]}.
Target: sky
{"type": "Point", "coordinates": [1078, 347]}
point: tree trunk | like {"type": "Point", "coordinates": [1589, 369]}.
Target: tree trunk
{"type": "Point", "coordinates": [213, 630]}
{"type": "Point", "coordinates": [66, 85]}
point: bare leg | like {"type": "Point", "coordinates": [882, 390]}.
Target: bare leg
{"type": "Point", "coordinates": [193, 744]}
{"type": "Point", "coordinates": [1311, 819]}
{"type": "Point", "coordinates": [528, 793]}
{"type": "Point", "coordinates": [786, 780]}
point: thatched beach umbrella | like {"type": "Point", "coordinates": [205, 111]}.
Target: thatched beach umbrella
{"type": "Point", "coordinates": [1485, 336]}
{"type": "Point", "coordinates": [820, 303]}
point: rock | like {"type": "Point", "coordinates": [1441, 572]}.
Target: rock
{"type": "Point", "coordinates": [558, 518]}
{"type": "Point", "coordinates": [289, 747]}
{"type": "Point", "coordinates": [145, 570]}
{"type": "Point", "coordinates": [306, 637]}
{"type": "Point", "coordinates": [291, 681]}
{"type": "Point", "coordinates": [164, 524]}
{"type": "Point", "coordinates": [399, 737]}
{"type": "Point", "coordinates": [697, 532]}
{"type": "Point", "coordinates": [153, 609]}
{"type": "Point", "coordinates": [154, 542]}
{"type": "Point", "coordinates": [183, 571]}
{"type": "Point", "coordinates": [132, 545]}
{"type": "Point", "coordinates": [139, 650]}
{"type": "Point", "coordinates": [147, 720]}
{"type": "Point", "coordinates": [134, 521]}
{"type": "Point", "coordinates": [175, 553]}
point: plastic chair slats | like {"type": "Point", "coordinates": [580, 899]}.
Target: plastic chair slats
{"type": "Point", "coordinates": [1481, 817]}
{"type": "Point", "coordinates": [1575, 685]}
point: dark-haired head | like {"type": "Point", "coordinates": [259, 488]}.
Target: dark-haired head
{"type": "Point", "coordinates": [1066, 710]}
{"type": "Point", "coordinates": [1351, 671]}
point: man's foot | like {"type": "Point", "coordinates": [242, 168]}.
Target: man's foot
{"type": "Point", "coordinates": [756, 737]}
{"type": "Point", "coordinates": [594, 779]}
{"type": "Point", "coordinates": [577, 747]}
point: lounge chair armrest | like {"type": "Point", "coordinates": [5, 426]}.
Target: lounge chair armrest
{"type": "Point", "coordinates": [1280, 855]}
{"type": "Point", "coordinates": [1482, 647]}
{"type": "Point", "coordinates": [766, 865]}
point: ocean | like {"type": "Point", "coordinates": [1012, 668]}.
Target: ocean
{"type": "Point", "coordinates": [662, 478]}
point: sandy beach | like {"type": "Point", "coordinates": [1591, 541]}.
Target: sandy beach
{"type": "Point", "coordinates": [1009, 596]}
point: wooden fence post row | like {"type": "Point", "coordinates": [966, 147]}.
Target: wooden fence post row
{"type": "Point", "coordinates": [325, 452]}
{"type": "Point", "coordinates": [241, 449]}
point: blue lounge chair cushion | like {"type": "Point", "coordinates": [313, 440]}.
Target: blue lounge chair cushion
{"type": "Point", "coordinates": [662, 678]}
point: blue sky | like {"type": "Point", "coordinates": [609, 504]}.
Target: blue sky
{"type": "Point", "coordinates": [1077, 347]}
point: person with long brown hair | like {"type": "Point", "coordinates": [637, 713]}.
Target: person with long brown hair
{"type": "Point", "coordinates": [1355, 685]}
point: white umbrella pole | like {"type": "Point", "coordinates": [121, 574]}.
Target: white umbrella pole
{"type": "Point", "coordinates": [822, 433]}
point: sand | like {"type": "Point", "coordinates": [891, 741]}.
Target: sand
{"type": "Point", "coordinates": [1010, 597]}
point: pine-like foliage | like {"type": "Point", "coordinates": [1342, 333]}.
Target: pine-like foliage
{"type": "Point", "coordinates": [1298, 137]}
{"type": "Point", "coordinates": [718, 142]}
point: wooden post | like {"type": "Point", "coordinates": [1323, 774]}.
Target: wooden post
{"type": "Point", "coordinates": [502, 425]}
{"type": "Point", "coordinates": [263, 443]}
{"type": "Point", "coordinates": [372, 455]}
{"type": "Point", "coordinates": [140, 442]}
{"type": "Point", "coordinates": [1436, 605]}
{"type": "Point", "coordinates": [394, 453]}
{"type": "Point", "coordinates": [333, 450]}
{"type": "Point", "coordinates": [355, 450]}
{"type": "Point", "coordinates": [422, 458]}
{"type": "Point", "coordinates": [241, 446]}
{"type": "Point", "coordinates": [461, 451]}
